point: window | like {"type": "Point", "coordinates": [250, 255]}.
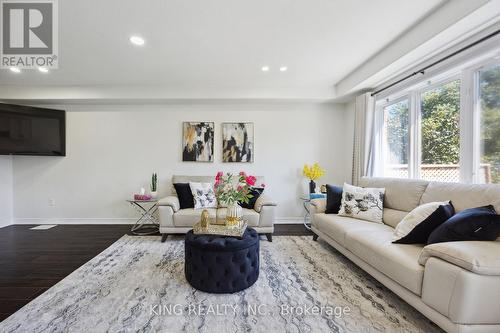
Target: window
{"type": "Point", "coordinates": [440, 133]}
{"type": "Point", "coordinates": [445, 129]}
{"type": "Point", "coordinates": [395, 137]}
{"type": "Point", "coordinates": [489, 103]}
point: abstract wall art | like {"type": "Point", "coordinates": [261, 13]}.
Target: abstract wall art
{"type": "Point", "coordinates": [237, 142]}
{"type": "Point", "coordinates": [198, 142]}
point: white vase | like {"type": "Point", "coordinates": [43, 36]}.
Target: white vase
{"type": "Point", "coordinates": [154, 194]}
{"type": "Point", "coordinates": [234, 213]}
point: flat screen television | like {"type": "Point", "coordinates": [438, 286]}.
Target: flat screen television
{"type": "Point", "coordinates": [26, 130]}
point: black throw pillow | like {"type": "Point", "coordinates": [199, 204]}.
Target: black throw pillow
{"type": "Point", "coordinates": [256, 192]}
{"type": "Point", "coordinates": [184, 194]}
{"type": "Point", "coordinates": [474, 224]}
{"type": "Point", "coordinates": [333, 199]}
{"type": "Point", "coordinates": [420, 234]}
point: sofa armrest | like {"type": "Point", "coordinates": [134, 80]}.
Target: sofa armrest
{"type": "Point", "coordinates": [263, 201]}
{"type": "Point", "coordinates": [478, 257]}
{"type": "Point", "coordinates": [318, 206]}
{"type": "Point", "coordinates": [171, 201]}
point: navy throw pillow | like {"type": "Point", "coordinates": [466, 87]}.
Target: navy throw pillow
{"type": "Point", "coordinates": [420, 234]}
{"type": "Point", "coordinates": [185, 195]}
{"type": "Point", "coordinates": [474, 224]}
{"type": "Point", "coordinates": [256, 192]}
{"type": "Point", "coordinates": [333, 199]}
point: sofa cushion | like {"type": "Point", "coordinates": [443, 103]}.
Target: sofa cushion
{"type": "Point", "coordinates": [250, 215]}
{"type": "Point", "coordinates": [256, 192]}
{"type": "Point", "coordinates": [333, 199]}
{"type": "Point", "coordinates": [392, 217]}
{"type": "Point", "coordinates": [362, 203]}
{"type": "Point", "coordinates": [417, 226]}
{"type": "Point", "coordinates": [463, 196]}
{"type": "Point", "coordinates": [399, 262]}
{"type": "Point", "coordinates": [475, 256]}
{"type": "Point", "coordinates": [185, 195]}
{"type": "Point", "coordinates": [336, 226]}
{"type": "Point", "coordinates": [203, 195]}
{"type": "Point", "coordinates": [473, 224]}
{"type": "Point", "coordinates": [188, 217]}
{"type": "Point", "coordinates": [400, 194]}
{"type": "Point", "coordinates": [186, 179]}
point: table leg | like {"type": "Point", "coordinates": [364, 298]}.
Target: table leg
{"type": "Point", "coordinates": [307, 215]}
{"type": "Point", "coordinates": [147, 215]}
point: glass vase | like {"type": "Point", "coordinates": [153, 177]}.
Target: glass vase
{"type": "Point", "coordinates": [234, 214]}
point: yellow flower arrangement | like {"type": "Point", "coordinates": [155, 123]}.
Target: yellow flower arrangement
{"type": "Point", "coordinates": [313, 172]}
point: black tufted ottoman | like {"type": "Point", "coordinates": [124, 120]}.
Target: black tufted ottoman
{"type": "Point", "coordinates": [219, 264]}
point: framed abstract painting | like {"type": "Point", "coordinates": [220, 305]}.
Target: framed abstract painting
{"type": "Point", "coordinates": [237, 142]}
{"type": "Point", "coordinates": [198, 141]}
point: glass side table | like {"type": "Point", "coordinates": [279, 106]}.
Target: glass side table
{"type": "Point", "coordinates": [307, 216]}
{"type": "Point", "coordinates": [148, 223]}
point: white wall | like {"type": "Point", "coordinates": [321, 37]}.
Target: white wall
{"type": "Point", "coordinates": [112, 150]}
{"type": "Point", "coordinates": [6, 192]}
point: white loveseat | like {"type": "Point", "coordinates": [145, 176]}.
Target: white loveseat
{"type": "Point", "coordinates": [174, 220]}
{"type": "Point", "coordinates": [454, 284]}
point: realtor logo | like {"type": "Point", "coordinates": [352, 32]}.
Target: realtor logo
{"type": "Point", "coordinates": [29, 33]}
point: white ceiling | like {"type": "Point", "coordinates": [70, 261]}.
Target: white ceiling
{"type": "Point", "coordinates": [204, 49]}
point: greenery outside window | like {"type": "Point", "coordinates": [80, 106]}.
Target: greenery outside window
{"type": "Point", "coordinates": [444, 129]}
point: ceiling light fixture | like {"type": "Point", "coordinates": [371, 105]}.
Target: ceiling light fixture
{"type": "Point", "coordinates": [136, 40]}
{"type": "Point", "coordinates": [43, 69]}
{"type": "Point", "coordinates": [15, 70]}
{"type": "Point", "coordinates": [265, 68]}
{"type": "Point", "coordinates": [283, 69]}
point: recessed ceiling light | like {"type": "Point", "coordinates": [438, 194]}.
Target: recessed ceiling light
{"type": "Point", "coordinates": [43, 69]}
{"type": "Point", "coordinates": [265, 68]}
{"type": "Point", "coordinates": [136, 40]}
{"type": "Point", "coordinates": [283, 69]}
{"type": "Point", "coordinates": [15, 70]}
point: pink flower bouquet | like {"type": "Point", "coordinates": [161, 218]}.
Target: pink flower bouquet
{"type": "Point", "coordinates": [231, 189]}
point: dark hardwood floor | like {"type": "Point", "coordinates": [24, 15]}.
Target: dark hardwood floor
{"type": "Point", "coordinates": [32, 261]}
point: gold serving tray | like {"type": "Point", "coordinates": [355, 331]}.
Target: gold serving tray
{"type": "Point", "coordinates": [236, 230]}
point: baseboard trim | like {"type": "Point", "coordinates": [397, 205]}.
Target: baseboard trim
{"type": "Point", "coordinates": [124, 220]}
{"type": "Point", "coordinates": [289, 220]}
{"type": "Point", "coordinates": [35, 220]}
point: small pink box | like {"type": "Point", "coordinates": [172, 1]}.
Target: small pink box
{"type": "Point", "coordinates": [142, 197]}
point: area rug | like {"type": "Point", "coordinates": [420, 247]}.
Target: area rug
{"type": "Point", "coordinates": [138, 284]}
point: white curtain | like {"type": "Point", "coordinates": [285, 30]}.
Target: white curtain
{"type": "Point", "coordinates": [364, 141]}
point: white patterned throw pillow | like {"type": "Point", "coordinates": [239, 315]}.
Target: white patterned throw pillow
{"type": "Point", "coordinates": [362, 203]}
{"type": "Point", "coordinates": [203, 195]}
{"type": "Point", "coordinates": [415, 217]}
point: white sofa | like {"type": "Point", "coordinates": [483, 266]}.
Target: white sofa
{"type": "Point", "coordinates": [174, 220]}
{"type": "Point", "coordinates": [454, 284]}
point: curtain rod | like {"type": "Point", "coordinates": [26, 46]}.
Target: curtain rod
{"type": "Point", "coordinates": [422, 70]}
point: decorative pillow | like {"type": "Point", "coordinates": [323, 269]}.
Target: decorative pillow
{"type": "Point", "coordinates": [333, 199]}
{"type": "Point", "coordinates": [416, 227]}
{"type": "Point", "coordinates": [184, 194]}
{"type": "Point", "coordinates": [362, 203]}
{"type": "Point", "coordinates": [203, 195]}
{"type": "Point", "coordinates": [256, 192]}
{"type": "Point", "coordinates": [474, 224]}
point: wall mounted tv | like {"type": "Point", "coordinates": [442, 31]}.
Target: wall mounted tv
{"type": "Point", "coordinates": [26, 130]}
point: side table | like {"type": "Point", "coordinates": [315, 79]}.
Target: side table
{"type": "Point", "coordinates": [148, 223]}
{"type": "Point", "coordinates": [305, 202]}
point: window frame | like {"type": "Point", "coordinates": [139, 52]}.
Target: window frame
{"type": "Point", "coordinates": [470, 119]}
{"type": "Point", "coordinates": [475, 97]}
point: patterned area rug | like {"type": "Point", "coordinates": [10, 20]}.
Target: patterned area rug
{"type": "Point", "coordinates": [138, 284]}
